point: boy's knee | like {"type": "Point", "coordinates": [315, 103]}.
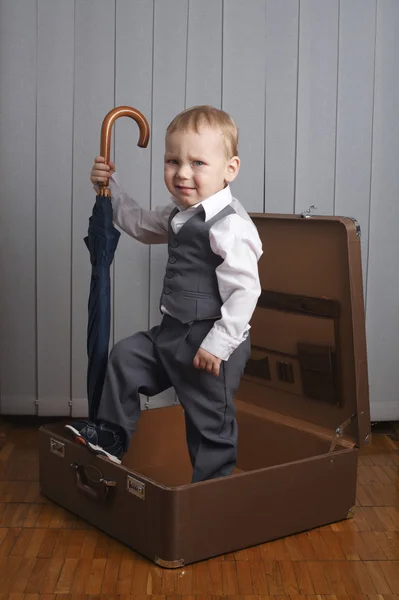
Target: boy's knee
{"type": "Point", "coordinates": [120, 351]}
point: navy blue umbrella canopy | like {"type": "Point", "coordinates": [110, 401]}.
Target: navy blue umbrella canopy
{"type": "Point", "coordinates": [101, 241]}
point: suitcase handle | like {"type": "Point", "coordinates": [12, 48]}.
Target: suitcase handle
{"type": "Point", "coordinates": [95, 490]}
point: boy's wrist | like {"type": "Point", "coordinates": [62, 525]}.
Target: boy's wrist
{"type": "Point", "coordinates": [219, 343]}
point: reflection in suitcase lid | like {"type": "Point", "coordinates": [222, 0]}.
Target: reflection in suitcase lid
{"type": "Point", "coordinates": [308, 356]}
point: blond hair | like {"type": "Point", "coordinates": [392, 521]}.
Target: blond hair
{"type": "Point", "coordinates": [192, 118]}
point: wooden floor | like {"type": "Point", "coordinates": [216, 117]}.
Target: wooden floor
{"type": "Point", "coordinates": [47, 553]}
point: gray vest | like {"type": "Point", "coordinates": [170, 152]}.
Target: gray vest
{"type": "Point", "coordinates": [190, 289]}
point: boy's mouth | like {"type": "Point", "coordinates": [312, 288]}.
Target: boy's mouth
{"type": "Point", "coordinates": [184, 188]}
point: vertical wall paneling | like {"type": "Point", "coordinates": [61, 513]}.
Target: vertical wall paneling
{"type": "Point", "coordinates": [313, 86]}
{"type": "Point", "coordinates": [317, 106]}
{"type": "Point", "coordinates": [204, 53]}
{"type": "Point", "coordinates": [244, 93]}
{"type": "Point", "coordinates": [54, 155]}
{"type": "Point", "coordinates": [281, 47]}
{"type": "Point", "coordinates": [168, 96]}
{"type": "Point", "coordinates": [383, 256]}
{"type": "Point", "coordinates": [93, 98]}
{"type": "Point", "coordinates": [134, 43]}
{"type": "Point", "coordinates": [18, 61]}
{"type": "Point", "coordinates": [355, 113]}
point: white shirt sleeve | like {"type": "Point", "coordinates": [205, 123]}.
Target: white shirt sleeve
{"type": "Point", "coordinates": [147, 226]}
{"type": "Point", "coordinates": [237, 241]}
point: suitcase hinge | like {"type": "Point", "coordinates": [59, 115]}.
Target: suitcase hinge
{"type": "Point", "coordinates": [356, 224]}
{"type": "Point", "coordinates": [36, 408]}
{"type": "Point", "coordinates": [340, 431]}
{"type": "Point", "coordinates": [70, 407]}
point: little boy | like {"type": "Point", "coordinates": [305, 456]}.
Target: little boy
{"type": "Point", "coordinates": [210, 291]}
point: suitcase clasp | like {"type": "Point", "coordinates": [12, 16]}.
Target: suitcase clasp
{"type": "Point", "coordinates": [135, 487]}
{"type": "Point", "coordinates": [57, 448]}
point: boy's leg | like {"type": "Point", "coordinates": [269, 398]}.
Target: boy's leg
{"type": "Point", "coordinates": [133, 368]}
{"type": "Point", "coordinates": [208, 401]}
{"type": "Point", "coordinates": [193, 438]}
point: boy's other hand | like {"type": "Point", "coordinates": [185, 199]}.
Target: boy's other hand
{"type": "Point", "coordinates": [207, 361]}
{"type": "Point", "coordinates": [101, 171]}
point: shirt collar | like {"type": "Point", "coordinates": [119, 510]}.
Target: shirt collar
{"type": "Point", "coordinates": [212, 205]}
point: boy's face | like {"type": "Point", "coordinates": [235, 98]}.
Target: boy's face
{"type": "Point", "coordinates": [196, 165]}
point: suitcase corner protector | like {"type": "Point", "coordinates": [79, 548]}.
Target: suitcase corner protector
{"type": "Point", "coordinates": [351, 513]}
{"type": "Point", "coordinates": [169, 564]}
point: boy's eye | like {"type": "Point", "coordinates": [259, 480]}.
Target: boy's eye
{"type": "Point", "coordinates": [171, 161]}
{"type": "Point", "coordinates": [198, 163]}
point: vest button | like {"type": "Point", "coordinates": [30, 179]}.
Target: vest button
{"type": "Point", "coordinates": [169, 274]}
{"type": "Point", "coordinates": [174, 243]}
{"type": "Point", "coordinates": [172, 259]}
{"type": "Point", "coordinates": [167, 290]}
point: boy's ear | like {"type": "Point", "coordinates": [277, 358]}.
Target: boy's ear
{"type": "Point", "coordinates": [233, 166]}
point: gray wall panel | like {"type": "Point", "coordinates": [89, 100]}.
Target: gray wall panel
{"type": "Point", "coordinates": [54, 155]}
{"type": "Point", "coordinates": [93, 98]}
{"type": "Point", "coordinates": [383, 261]}
{"type": "Point", "coordinates": [134, 43]}
{"type": "Point", "coordinates": [317, 106]}
{"type": "Point", "coordinates": [355, 113]}
{"type": "Point", "coordinates": [244, 93]}
{"type": "Point", "coordinates": [204, 53]}
{"type": "Point", "coordinates": [18, 60]}
{"type": "Point", "coordinates": [281, 47]}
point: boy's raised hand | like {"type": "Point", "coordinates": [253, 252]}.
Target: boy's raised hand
{"type": "Point", "coordinates": [207, 361]}
{"type": "Point", "coordinates": [101, 171]}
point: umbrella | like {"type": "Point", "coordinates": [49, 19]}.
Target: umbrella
{"type": "Point", "coordinates": [101, 241]}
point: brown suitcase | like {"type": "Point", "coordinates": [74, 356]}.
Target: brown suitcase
{"type": "Point", "coordinates": [302, 410]}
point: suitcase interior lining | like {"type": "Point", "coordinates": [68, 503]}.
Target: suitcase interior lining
{"type": "Point", "coordinates": [303, 359]}
{"type": "Point", "coordinates": [158, 449]}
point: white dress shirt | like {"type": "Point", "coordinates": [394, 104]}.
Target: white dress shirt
{"type": "Point", "coordinates": [234, 238]}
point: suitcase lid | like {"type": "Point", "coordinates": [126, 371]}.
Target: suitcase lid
{"type": "Point", "coordinates": [308, 357]}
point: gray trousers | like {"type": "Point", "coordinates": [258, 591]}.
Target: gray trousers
{"type": "Point", "coordinates": [153, 361]}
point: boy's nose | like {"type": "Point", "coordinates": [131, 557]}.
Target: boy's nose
{"type": "Point", "coordinates": [184, 172]}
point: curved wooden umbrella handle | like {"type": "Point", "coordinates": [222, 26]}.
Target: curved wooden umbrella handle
{"type": "Point", "coordinates": [109, 120]}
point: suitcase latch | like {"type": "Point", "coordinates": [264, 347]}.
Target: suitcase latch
{"type": "Point", "coordinates": [57, 448]}
{"type": "Point", "coordinates": [135, 487]}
